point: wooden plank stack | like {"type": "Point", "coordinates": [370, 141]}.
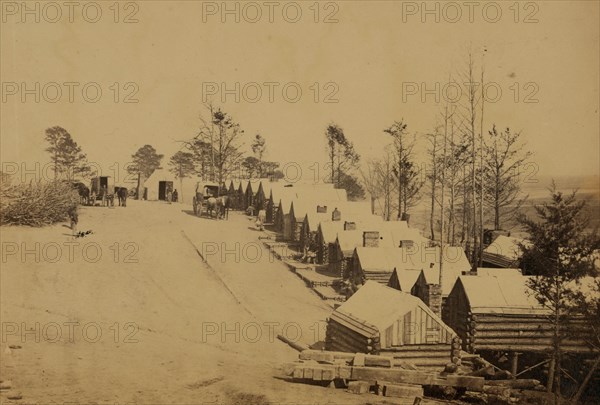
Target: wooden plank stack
{"type": "Point", "coordinates": [364, 373]}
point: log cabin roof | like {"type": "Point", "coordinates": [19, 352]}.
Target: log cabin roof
{"type": "Point", "coordinates": [350, 240]}
{"type": "Point", "coordinates": [306, 192]}
{"type": "Point", "coordinates": [503, 295]}
{"type": "Point", "coordinates": [269, 186]}
{"type": "Point", "coordinates": [380, 306]}
{"type": "Point", "coordinates": [455, 265]}
{"type": "Point", "coordinates": [406, 278]}
{"type": "Point", "coordinates": [354, 211]}
{"type": "Point", "coordinates": [504, 251]}
{"type": "Point", "coordinates": [498, 272]}
{"type": "Point", "coordinates": [330, 229]}
{"type": "Point", "coordinates": [391, 235]}
{"type": "Point", "coordinates": [308, 204]}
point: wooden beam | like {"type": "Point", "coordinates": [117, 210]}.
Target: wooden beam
{"type": "Point", "coordinates": [514, 363]}
{"type": "Point", "coordinates": [416, 377]}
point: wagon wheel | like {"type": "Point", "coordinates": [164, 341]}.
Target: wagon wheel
{"type": "Point", "coordinates": [194, 202]}
{"type": "Point", "coordinates": [201, 203]}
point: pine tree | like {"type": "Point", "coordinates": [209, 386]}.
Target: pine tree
{"type": "Point", "coordinates": [558, 252]}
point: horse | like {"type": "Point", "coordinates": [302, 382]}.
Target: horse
{"type": "Point", "coordinates": [223, 204]}
{"type": "Point", "coordinates": [211, 206]}
{"type": "Point", "coordinates": [83, 191]}
{"type": "Point", "coordinates": [122, 194]}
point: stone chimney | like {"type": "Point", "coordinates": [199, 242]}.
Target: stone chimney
{"type": "Point", "coordinates": [409, 244]}
{"type": "Point", "coordinates": [405, 217]}
{"type": "Point", "coordinates": [349, 226]}
{"type": "Point", "coordinates": [321, 209]}
{"type": "Point", "coordinates": [336, 215]}
{"type": "Point", "coordinates": [371, 239]}
{"type": "Point", "coordinates": [434, 298]}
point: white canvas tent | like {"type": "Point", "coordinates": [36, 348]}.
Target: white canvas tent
{"type": "Point", "coordinates": [186, 188]}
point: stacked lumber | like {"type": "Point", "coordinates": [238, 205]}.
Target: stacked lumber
{"type": "Point", "coordinates": [520, 333]}
{"type": "Point", "coordinates": [346, 334]}
{"type": "Point", "coordinates": [328, 366]}
{"type": "Point", "coordinates": [364, 373]}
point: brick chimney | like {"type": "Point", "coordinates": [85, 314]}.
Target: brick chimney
{"type": "Point", "coordinates": [336, 215]}
{"type": "Point", "coordinates": [321, 209]}
{"type": "Point", "coordinates": [371, 239]}
{"type": "Point", "coordinates": [349, 226]}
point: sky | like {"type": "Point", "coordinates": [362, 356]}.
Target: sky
{"type": "Point", "coordinates": [370, 61]}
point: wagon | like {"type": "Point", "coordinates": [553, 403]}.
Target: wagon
{"type": "Point", "coordinates": [204, 190]}
{"type": "Point", "coordinates": [102, 188]}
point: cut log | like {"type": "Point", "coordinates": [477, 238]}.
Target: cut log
{"type": "Point", "coordinates": [296, 345]}
{"type": "Point", "coordinates": [524, 383]}
{"type": "Point", "coordinates": [484, 372]}
{"type": "Point", "coordinates": [317, 355]}
{"type": "Point", "coordinates": [497, 390]}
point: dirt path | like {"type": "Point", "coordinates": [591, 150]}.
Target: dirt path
{"type": "Point", "coordinates": [144, 321]}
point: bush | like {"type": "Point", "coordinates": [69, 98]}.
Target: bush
{"type": "Point", "coordinates": [36, 203]}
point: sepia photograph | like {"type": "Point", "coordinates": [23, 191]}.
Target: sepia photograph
{"type": "Point", "coordinates": [310, 202]}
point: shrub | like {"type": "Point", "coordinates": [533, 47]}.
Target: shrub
{"type": "Point", "coordinates": [36, 203]}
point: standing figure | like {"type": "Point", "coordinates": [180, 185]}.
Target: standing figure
{"type": "Point", "coordinates": [74, 218]}
{"type": "Point", "coordinates": [175, 195]}
{"type": "Point", "coordinates": [104, 196]}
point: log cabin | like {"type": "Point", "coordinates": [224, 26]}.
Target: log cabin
{"type": "Point", "coordinates": [500, 314]}
{"type": "Point", "coordinates": [327, 231]}
{"type": "Point", "coordinates": [378, 264]}
{"type": "Point", "coordinates": [308, 200]}
{"type": "Point", "coordinates": [381, 320]}
{"type": "Point", "coordinates": [392, 234]}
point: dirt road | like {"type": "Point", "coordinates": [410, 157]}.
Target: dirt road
{"type": "Point", "coordinates": [131, 314]}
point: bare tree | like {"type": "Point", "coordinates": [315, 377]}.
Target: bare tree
{"type": "Point", "coordinates": [504, 155]}
{"type": "Point", "coordinates": [380, 182]}
{"type": "Point", "coordinates": [219, 138]}
{"type": "Point", "coordinates": [470, 105]}
{"type": "Point", "coordinates": [433, 177]}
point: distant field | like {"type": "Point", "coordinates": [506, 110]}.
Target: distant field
{"type": "Point", "coordinates": [588, 189]}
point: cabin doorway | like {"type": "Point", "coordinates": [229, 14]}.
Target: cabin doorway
{"type": "Point", "coordinates": [163, 188]}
